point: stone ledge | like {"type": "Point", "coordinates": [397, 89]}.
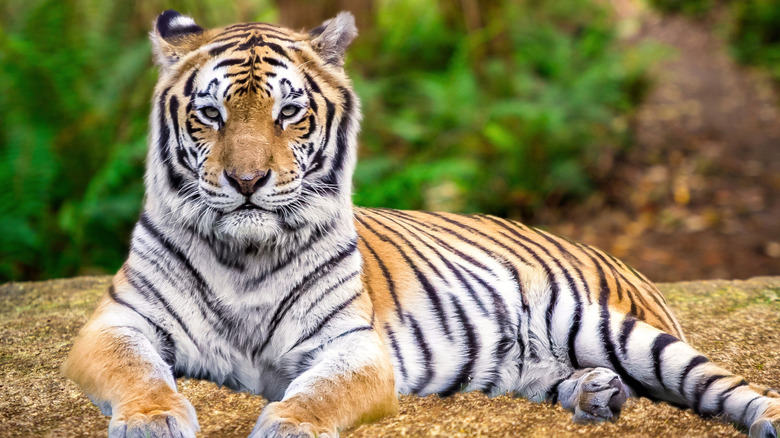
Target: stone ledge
{"type": "Point", "coordinates": [735, 323]}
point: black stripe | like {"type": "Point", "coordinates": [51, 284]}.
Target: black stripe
{"type": "Point", "coordinates": [701, 389]}
{"type": "Point", "coordinates": [554, 288]}
{"type": "Point", "coordinates": [181, 151]}
{"type": "Point", "coordinates": [330, 289]}
{"type": "Point", "coordinates": [317, 161]}
{"type": "Point", "coordinates": [226, 321]}
{"type": "Point", "coordinates": [654, 295]}
{"type": "Point", "coordinates": [659, 345]}
{"type": "Point", "coordinates": [277, 49]}
{"type": "Point", "coordinates": [573, 260]}
{"type": "Point", "coordinates": [324, 321]}
{"type": "Point", "coordinates": [312, 126]}
{"type": "Point", "coordinates": [253, 41]}
{"type": "Point", "coordinates": [174, 179]}
{"type": "Point", "coordinates": [488, 252]}
{"type": "Point", "coordinates": [416, 231]}
{"type": "Point", "coordinates": [312, 84]}
{"type": "Point", "coordinates": [168, 346]}
{"type": "Point", "coordinates": [216, 51]}
{"type": "Point", "coordinates": [606, 337]}
{"type": "Point", "coordinates": [696, 361]}
{"type": "Point", "coordinates": [574, 329]}
{"type": "Point", "coordinates": [745, 411]}
{"type": "Point", "coordinates": [188, 86]}
{"type": "Point", "coordinates": [286, 303]}
{"type": "Point", "coordinates": [332, 179]}
{"type": "Point", "coordinates": [727, 393]}
{"type": "Point", "coordinates": [427, 356]}
{"type": "Point", "coordinates": [294, 254]}
{"type": "Point", "coordinates": [430, 291]}
{"type": "Point", "coordinates": [520, 343]}
{"type": "Point", "coordinates": [629, 322]}
{"type": "Point", "coordinates": [274, 62]}
{"type": "Point", "coordinates": [307, 358]}
{"type": "Point", "coordinates": [552, 393]}
{"type": "Point", "coordinates": [397, 351]}
{"type": "Point", "coordinates": [229, 62]}
{"type": "Point", "coordinates": [467, 371]}
{"type": "Point", "coordinates": [234, 36]}
{"type": "Point", "coordinates": [388, 279]}
{"type": "Point", "coordinates": [411, 246]}
{"type": "Point", "coordinates": [145, 287]}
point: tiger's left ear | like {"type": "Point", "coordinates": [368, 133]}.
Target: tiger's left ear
{"type": "Point", "coordinates": [331, 39]}
{"type": "Point", "coordinates": [174, 36]}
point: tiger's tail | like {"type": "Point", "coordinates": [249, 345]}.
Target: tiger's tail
{"type": "Point", "coordinates": [679, 374]}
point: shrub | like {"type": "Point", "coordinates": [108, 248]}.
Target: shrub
{"type": "Point", "coordinates": [523, 111]}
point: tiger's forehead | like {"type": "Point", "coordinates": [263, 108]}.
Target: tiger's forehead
{"type": "Point", "coordinates": [249, 58]}
{"type": "Point", "coordinates": [256, 34]}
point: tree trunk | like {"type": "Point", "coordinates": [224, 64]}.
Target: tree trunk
{"type": "Point", "coordinates": [306, 14]}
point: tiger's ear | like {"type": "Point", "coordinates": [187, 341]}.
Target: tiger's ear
{"type": "Point", "coordinates": [331, 39]}
{"type": "Point", "coordinates": [174, 36]}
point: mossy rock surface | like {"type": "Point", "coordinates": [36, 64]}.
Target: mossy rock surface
{"type": "Point", "coordinates": [735, 323]}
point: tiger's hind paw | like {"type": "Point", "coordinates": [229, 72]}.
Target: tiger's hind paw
{"type": "Point", "coordinates": [768, 424]}
{"type": "Point", "coordinates": [593, 395]}
{"type": "Point", "coordinates": [765, 428]}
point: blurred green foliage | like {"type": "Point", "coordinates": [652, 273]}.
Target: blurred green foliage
{"type": "Point", "coordinates": [523, 106]}
{"type": "Point", "coordinates": [76, 80]}
{"type": "Point", "coordinates": [755, 34]}
{"type": "Point", "coordinates": [525, 110]}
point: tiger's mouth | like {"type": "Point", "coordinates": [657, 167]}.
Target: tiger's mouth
{"type": "Point", "coordinates": [249, 206]}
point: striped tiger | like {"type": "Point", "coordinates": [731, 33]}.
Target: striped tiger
{"type": "Point", "coordinates": [250, 267]}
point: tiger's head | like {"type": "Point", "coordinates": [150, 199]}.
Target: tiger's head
{"type": "Point", "coordinates": [253, 127]}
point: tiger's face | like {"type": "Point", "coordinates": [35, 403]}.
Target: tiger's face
{"type": "Point", "coordinates": [254, 127]}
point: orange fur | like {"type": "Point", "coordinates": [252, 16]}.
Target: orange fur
{"type": "Point", "coordinates": [104, 363]}
{"type": "Point", "coordinates": [361, 396]}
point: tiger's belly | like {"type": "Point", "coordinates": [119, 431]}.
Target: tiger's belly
{"type": "Point", "coordinates": [451, 317]}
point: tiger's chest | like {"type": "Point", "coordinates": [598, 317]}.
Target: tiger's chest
{"type": "Point", "coordinates": [242, 328]}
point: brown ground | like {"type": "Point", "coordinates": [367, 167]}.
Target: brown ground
{"type": "Point", "coordinates": [736, 323]}
{"type": "Point", "coordinates": [698, 195]}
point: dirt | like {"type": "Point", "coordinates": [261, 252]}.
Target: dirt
{"type": "Point", "coordinates": [698, 194]}
{"type": "Point", "coordinates": [736, 323]}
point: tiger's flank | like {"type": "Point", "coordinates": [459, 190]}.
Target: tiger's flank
{"type": "Point", "coordinates": [250, 267]}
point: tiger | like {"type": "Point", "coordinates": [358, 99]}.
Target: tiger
{"type": "Point", "coordinates": [250, 267]}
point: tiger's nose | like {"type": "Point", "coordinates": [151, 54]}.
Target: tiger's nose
{"type": "Point", "coordinates": [247, 183]}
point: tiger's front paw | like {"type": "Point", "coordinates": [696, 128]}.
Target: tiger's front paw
{"type": "Point", "coordinates": [274, 422]}
{"type": "Point", "coordinates": [593, 395]}
{"type": "Point", "coordinates": [177, 422]}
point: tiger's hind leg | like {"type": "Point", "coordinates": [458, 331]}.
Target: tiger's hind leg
{"type": "Point", "coordinates": [663, 367]}
{"type": "Point", "coordinates": [593, 395]}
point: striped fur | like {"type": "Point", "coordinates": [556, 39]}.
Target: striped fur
{"type": "Point", "coordinates": [250, 267]}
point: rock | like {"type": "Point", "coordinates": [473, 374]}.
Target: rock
{"type": "Point", "coordinates": [736, 323]}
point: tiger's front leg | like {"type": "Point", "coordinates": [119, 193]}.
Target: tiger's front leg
{"type": "Point", "coordinates": [351, 382]}
{"type": "Point", "coordinates": [116, 363]}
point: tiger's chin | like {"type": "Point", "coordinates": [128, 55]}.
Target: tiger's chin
{"type": "Point", "coordinates": [248, 226]}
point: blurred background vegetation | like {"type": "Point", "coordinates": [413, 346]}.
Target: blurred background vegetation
{"type": "Point", "coordinates": [499, 106]}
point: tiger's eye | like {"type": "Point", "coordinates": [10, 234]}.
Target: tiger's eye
{"type": "Point", "coordinates": [211, 112]}
{"type": "Point", "coordinates": [289, 110]}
